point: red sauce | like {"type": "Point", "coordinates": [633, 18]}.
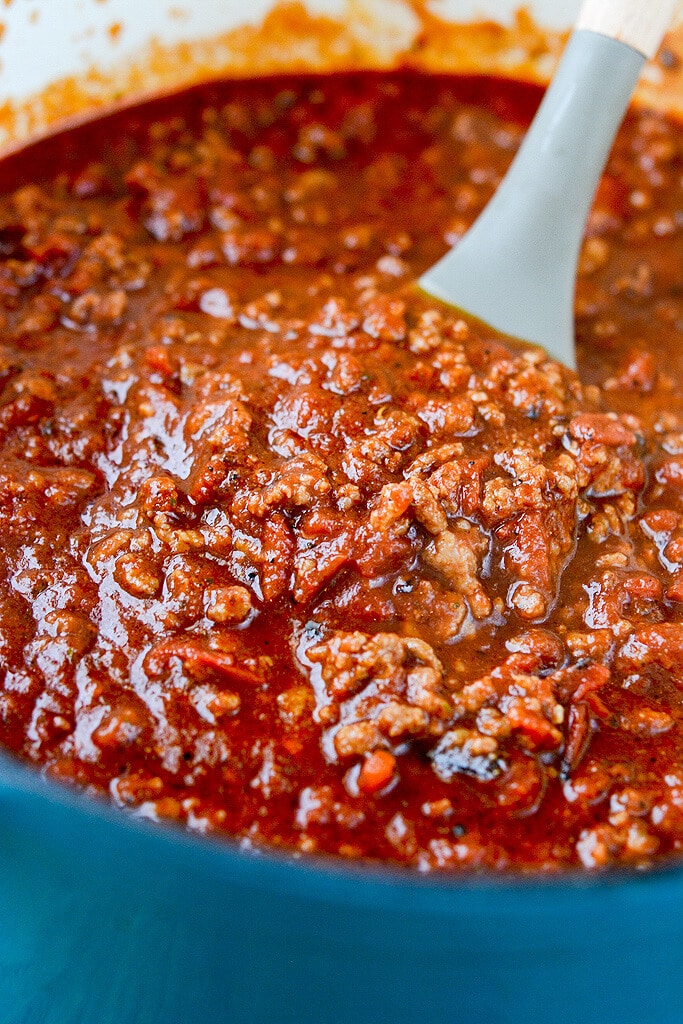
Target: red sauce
{"type": "Point", "coordinates": [293, 553]}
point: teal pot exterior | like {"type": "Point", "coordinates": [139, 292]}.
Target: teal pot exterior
{"type": "Point", "coordinates": [107, 920]}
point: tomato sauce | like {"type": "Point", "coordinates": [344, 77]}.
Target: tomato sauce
{"type": "Point", "coordinates": [292, 552]}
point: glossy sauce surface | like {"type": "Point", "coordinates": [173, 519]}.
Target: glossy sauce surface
{"type": "Point", "coordinates": [293, 553]}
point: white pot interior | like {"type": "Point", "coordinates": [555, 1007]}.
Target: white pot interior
{"type": "Point", "coordinates": [47, 39]}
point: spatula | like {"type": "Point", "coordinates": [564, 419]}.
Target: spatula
{"type": "Point", "coordinates": [515, 269]}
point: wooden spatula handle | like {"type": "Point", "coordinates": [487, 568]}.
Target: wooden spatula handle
{"type": "Point", "coordinates": [640, 24]}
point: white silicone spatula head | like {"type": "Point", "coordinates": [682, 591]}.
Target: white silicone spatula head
{"type": "Point", "coordinates": [515, 269]}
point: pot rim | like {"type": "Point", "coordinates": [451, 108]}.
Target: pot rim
{"type": "Point", "coordinates": [327, 877]}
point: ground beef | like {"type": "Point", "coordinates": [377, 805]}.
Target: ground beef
{"type": "Point", "coordinates": [292, 552]}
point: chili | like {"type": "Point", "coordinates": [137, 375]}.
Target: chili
{"type": "Point", "coordinates": [292, 552]}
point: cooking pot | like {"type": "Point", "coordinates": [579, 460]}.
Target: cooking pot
{"type": "Point", "coordinates": [106, 919]}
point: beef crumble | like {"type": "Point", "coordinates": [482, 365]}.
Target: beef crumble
{"type": "Point", "coordinates": [294, 553]}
